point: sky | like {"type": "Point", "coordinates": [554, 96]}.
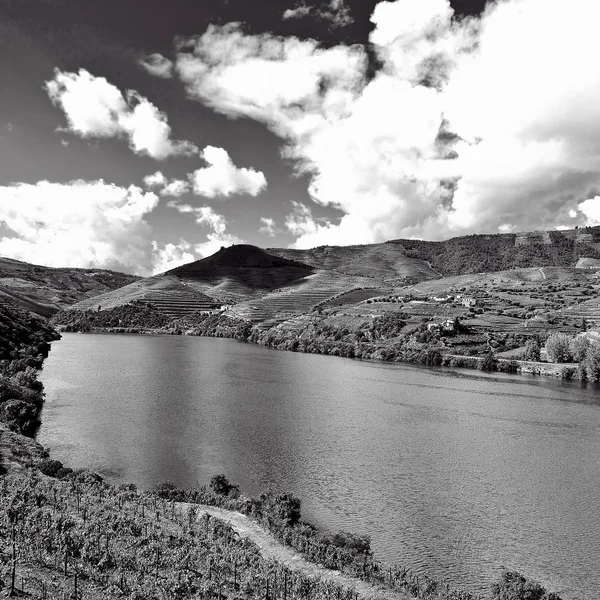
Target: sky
{"type": "Point", "coordinates": [138, 135]}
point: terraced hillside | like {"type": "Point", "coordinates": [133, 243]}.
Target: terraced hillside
{"type": "Point", "coordinates": [575, 314]}
{"type": "Point", "coordinates": [45, 290]}
{"type": "Point", "coordinates": [376, 261]}
{"type": "Point", "coordinates": [230, 276]}
{"type": "Point", "coordinates": [166, 293]}
{"type": "Point", "coordinates": [300, 298]}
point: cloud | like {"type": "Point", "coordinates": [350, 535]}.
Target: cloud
{"type": "Point", "coordinates": [268, 227]}
{"type": "Point", "coordinates": [207, 217]}
{"type": "Point", "coordinates": [591, 210]}
{"type": "Point", "coordinates": [336, 12]}
{"type": "Point", "coordinates": [456, 132]}
{"type": "Point", "coordinates": [78, 224]}
{"type": "Point", "coordinates": [171, 256]}
{"type": "Point", "coordinates": [175, 187]}
{"type": "Point", "coordinates": [156, 64]}
{"type": "Point", "coordinates": [94, 108]}
{"type": "Point", "coordinates": [298, 12]}
{"type": "Point", "coordinates": [223, 178]}
{"type": "Point", "coordinates": [155, 180]}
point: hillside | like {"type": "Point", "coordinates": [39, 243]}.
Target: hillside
{"type": "Point", "coordinates": [45, 290]}
{"type": "Point", "coordinates": [500, 252]}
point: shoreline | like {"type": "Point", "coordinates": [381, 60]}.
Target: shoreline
{"type": "Point", "coordinates": [562, 371]}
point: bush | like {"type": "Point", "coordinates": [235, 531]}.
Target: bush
{"type": "Point", "coordinates": [50, 467]}
{"type": "Point", "coordinates": [513, 586]}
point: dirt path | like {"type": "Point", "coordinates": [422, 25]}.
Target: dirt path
{"type": "Point", "coordinates": [271, 548]}
{"type": "Point", "coordinates": [542, 272]}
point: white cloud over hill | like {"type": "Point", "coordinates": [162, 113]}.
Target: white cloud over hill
{"type": "Point", "coordinates": [223, 178]}
{"type": "Point", "coordinates": [94, 108]}
{"type": "Point", "coordinates": [216, 223]}
{"type": "Point", "coordinates": [78, 224]}
{"type": "Point", "coordinates": [467, 126]}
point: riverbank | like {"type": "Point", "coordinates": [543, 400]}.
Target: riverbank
{"type": "Point", "coordinates": [384, 338]}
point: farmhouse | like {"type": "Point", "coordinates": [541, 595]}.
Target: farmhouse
{"type": "Point", "coordinates": [468, 301]}
{"type": "Point", "coordinates": [445, 326]}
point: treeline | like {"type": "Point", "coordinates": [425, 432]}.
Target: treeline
{"type": "Point", "coordinates": [382, 338]}
{"type": "Point", "coordinates": [24, 343]}
{"type": "Point", "coordinates": [563, 348]}
{"type": "Point", "coordinates": [136, 316]}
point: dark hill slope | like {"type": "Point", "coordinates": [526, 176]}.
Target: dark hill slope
{"type": "Point", "coordinates": [249, 268]}
{"type": "Point", "coordinates": [500, 252]}
{"type": "Point", "coordinates": [45, 290]}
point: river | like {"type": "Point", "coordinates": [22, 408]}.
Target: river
{"type": "Point", "coordinates": [453, 473]}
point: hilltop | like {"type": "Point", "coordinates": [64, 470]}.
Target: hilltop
{"type": "Point", "coordinates": [46, 290]}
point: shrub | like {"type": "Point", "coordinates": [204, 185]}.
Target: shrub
{"type": "Point", "coordinates": [513, 586]}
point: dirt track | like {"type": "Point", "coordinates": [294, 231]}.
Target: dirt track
{"type": "Point", "coordinates": [272, 548]}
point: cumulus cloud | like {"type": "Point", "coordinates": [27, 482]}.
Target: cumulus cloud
{"type": "Point", "coordinates": [591, 210]}
{"type": "Point", "coordinates": [94, 108]}
{"type": "Point", "coordinates": [156, 64]}
{"type": "Point", "coordinates": [223, 178]}
{"type": "Point", "coordinates": [457, 131]}
{"type": "Point", "coordinates": [171, 256]}
{"type": "Point", "coordinates": [335, 11]}
{"type": "Point", "coordinates": [155, 180]}
{"type": "Point", "coordinates": [208, 217]}
{"type": "Point", "coordinates": [268, 227]}
{"type": "Point", "coordinates": [78, 224]}
{"type": "Point", "coordinates": [174, 187]}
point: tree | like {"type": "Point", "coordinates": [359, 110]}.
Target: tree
{"type": "Point", "coordinates": [532, 350]}
{"type": "Point", "coordinates": [558, 347]}
{"type": "Point", "coordinates": [579, 347]}
{"type": "Point", "coordinates": [591, 362]}
{"type": "Point", "coordinates": [219, 484]}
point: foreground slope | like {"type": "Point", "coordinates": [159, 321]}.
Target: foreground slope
{"type": "Point", "coordinates": [45, 290]}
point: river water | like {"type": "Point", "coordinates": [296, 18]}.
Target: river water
{"type": "Point", "coordinates": [453, 473]}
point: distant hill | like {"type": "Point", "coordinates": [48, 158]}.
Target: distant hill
{"type": "Point", "coordinates": [46, 290]}
{"type": "Point", "coordinates": [382, 261]}
{"type": "Point", "coordinates": [230, 276]}
{"type": "Point", "coordinates": [500, 252]}
{"type": "Point", "coordinates": [267, 285]}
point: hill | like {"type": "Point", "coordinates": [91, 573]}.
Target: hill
{"type": "Point", "coordinates": [500, 252]}
{"type": "Point", "coordinates": [46, 290]}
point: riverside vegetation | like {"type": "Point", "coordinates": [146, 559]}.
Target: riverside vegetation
{"type": "Point", "coordinates": [389, 336]}
{"type": "Point", "coordinates": [70, 534]}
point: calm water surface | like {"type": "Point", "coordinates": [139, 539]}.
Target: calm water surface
{"type": "Point", "coordinates": [451, 472]}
